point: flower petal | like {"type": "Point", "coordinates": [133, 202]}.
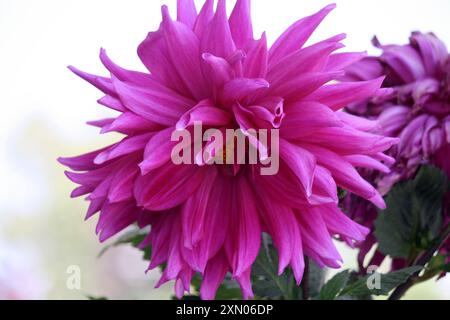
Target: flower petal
{"type": "Point", "coordinates": [241, 24]}
{"type": "Point", "coordinates": [297, 35]}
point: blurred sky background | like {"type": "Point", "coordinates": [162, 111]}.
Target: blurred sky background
{"type": "Point", "coordinates": [44, 109]}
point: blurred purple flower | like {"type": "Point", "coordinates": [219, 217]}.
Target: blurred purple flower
{"type": "Point", "coordinates": [415, 108]}
{"type": "Point", "coordinates": [209, 219]}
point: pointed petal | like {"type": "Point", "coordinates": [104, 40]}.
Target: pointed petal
{"type": "Point", "coordinates": [241, 24]}
{"type": "Point", "coordinates": [204, 18]}
{"type": "Point", "coordinates": [304, 84]}
{"type": "Point", "coordinates": [112, 103]}
{"type": "Point", "coordinates": [130, 124]}
{"type": "Point", "coordinates": [362, 161]}
{"type": "Point", "coordinates": [158, 150]}
{"type": "Point", "coordinates": [167, 186]}
{"type": "Point", "coordinates": [310, 59]}
{"type": "Point", "coordinates": [126, 146]}
{"type": "Point", "coordinates": [242, 246]}
{"type": "Point", "coordinates": [341, 60]}
{"type": "Point", "coordinates": [297, 35]}
{"type": "Point", "coordinates": [316, 238]}
{"type": "Point", "coordinates": [255, 64]}
{"type": "Point", "coordinates": [345, 174]}
{"type": "Point", "coordinates": [217, 38]}
{"type": "Point", "coordinates": [349, 141]}
{"type": "Point", "coordinates": [339, 95]}
{"type": "Point", "coordinates": [301, 162]}
{"type": "Point", "coordinates": [359, 123]}
{"type": "Point", "coordinates": [338, 223]}
{"type": "Point", "coordinates": [123, 74]}
{"type": "Point", "coordinates": [183, 47]}
{"type": "Point", "coordinates": [186, 12]}
{"type": "Point", "coordinates": [154, 54]}
{"type": "Point", "coordinates": [304, 118]}
{"type": "Point", "coordinates": [245, 283]}
{"type": "Point", "coordinates": [214, 274]}
{"type": "Point", "coordinates": [101, 83]}
{"type": "Point", "coordinates": [152, 103]}
{"type": "Point", "coordinates": [195, 210]}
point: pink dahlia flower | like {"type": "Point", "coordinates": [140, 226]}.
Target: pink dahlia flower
{"type": "Point", "coordinates": [208, 219]}
{"type": "Point", "coordinates": [416, 110]}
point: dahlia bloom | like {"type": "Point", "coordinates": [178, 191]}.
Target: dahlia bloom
{"type": "Point", "coordinates": [416, 110]}
{"type": "Point", "coordinates": [208, 219]}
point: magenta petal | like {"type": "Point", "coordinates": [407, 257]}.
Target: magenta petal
{"type": "Point", "coordinates": [158, 150]}
{"type": "Point", "coordinates": [154, 54]}
{"type": "Point", "coordinates": [129, 123]}
{"type": "Point", "coordinates": [101, 83]}
{"type": "Point", "coordinates": [359, 123]}
{"type": "Point", "coordinates": [242, 88]}
{"type": "Point", "coordinates": [301, 162]}
{"type": "Point", "coordinates": [152, 103]}
{"type": "Point", "coordinates": [316, 238]}
{"type": "Point", "coordinates": [126, 146]}
{"type": "Point", "coordinates": [123, 74]}
{"type": "Point", "coordinates": [303, 85]}
{"type": "Point", "coordinates": [186, 12]}
{"type": "Point", "coordinates": [341, 60]}
{"type": "Point", "coordinates": [205, 113]}
{"type": "Point", "coordinates": [168, 186]}
{"type": "Point", "coordinates": [214, 274]}
{"type": "Point", "coordinates": [297, 34]}
{"type": "Point", "coordinates": [255, 64]}
{"type": "Point", "coordinates": [283, 229]}
{"type": "Point", "coordinates": [207, 236]}
{"type": "Point", "coordinates": [305, 118]}
{"type": "Point", "coordinates": [338, 223]}
{"type": "Point", "coordinates": [194, 211]}
{"type": "Point", "coordinates": [242, 249]}
{"type": "Point", "coordinates": [113, 103]}
{"type": "Point", "coordinates": [217, 38]}
{"type": "Point", "coordinates": [245, 283]}
{"type": "Point", "coordinates": [311, 59]}
{"type": "Point", "coordinates": [241, 24]}
{"type": "Point", "coordinates": [367, 162]}
{"type": "Point", "coordinates": [337, 96]}
{"type": "Point", "coordinates": [344, 173]}
{"type": "Point", "coordinates": [83, 162]}
{"type": "Point", "coordinates": [204, 18]}
{"type": "Point", "coordinates": [183, 47]}
{"type": "Point", "coordinates": [217, 69]}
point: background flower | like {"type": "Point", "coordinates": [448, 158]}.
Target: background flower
{"type": "Point", "coordinates": [416, 109]}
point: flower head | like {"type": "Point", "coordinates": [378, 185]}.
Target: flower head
{"type": "Point", "coordinates": [416, 109]}
{"type": "Point", "coordinates": [206, 67]}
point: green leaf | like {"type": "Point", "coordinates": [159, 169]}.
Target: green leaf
{"type": "Point", "coordinates": [413, 218]}
{"type": "Point", "coordinates": [132, 237]}
{"type": "Point", "coordinates": [316, 278]}
{"type": "Point", "coordinates": [334, 286]}
{"type": "Point", "coordinates": [266, 281]}
{"type": "Point", "coordinates": [387, 282]}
